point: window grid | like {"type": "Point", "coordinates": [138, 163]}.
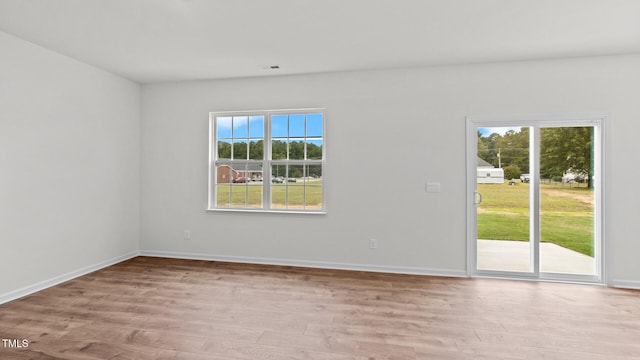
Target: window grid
{"type": "Point", "coordinates": [291, 165]}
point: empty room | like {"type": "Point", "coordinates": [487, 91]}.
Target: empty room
{"type": "Point", "coordinates": [296, 179]}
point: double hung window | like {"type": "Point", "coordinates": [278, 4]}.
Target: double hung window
{"type": "Point", "coordinates": [267, 160]}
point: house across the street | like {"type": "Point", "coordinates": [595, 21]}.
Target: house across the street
{"type": "Point", "coordinates": [227, 174]}
{"type": "Point", "coordinates": [488, 174]}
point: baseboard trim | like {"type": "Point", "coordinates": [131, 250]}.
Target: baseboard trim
{"type": "Point", "coordinates": [28, 290]}
{"type": "Point", "coordinates": [307, 263]}
{"type": "Point", "coordinates": [626, 284]}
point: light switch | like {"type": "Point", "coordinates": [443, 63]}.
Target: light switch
{"type": "Point", "coordinates": [433, 187]}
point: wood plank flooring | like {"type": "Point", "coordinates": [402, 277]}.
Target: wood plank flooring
{"type": "Point", "coordinates": [153, 308]}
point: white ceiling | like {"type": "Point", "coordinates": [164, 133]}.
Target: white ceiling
{"type": "Point", "coordinates": [168, 40]}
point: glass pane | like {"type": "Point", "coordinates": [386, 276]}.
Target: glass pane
{"type": "Point", "coordinates": [313, 174]}
{"type": "Point", "coordinates": [279, 126]}
{"type": "Point", "coordinates": [240, 149]}
{"type": "Point", "coordinates": [254, 198]}
{"type": "Point", "coordinates": [295, 190]}
{"type": "Point", "coordinates": [296, 125]}
{"type": "Point", "coordinates": [240, 127]}
{"type": "Point", "coordinates": [256, 150]}
{"type": "Point", "coordinates": [279, 186]}
{"type": "Point", "coordinates": [503, 215]}
{"type": "Point", "coordinates": [238, 195]}
{"type": "Point", "coordinates": [314, 149]}
{"type": "Point", "coordinates": [256, 127]}
{"type": "Point", "coordinates": [295, 173]}
{"type": "Point", "coordinates": [253, 172]}
{"type": "Point", "coordinates": [222, 196]}
{"type": "Point", "coordinates": [313, 197]}
{"type": "Point", "coordinates": [295, 196]}
{"type": "Point", "coordinates": [314, 125]}
{"type": "Point", "coordinates": [223, 127]}
{"type": "Point", "coordinates": [567, 200]}
{"type": "Point", "coordinates": [313, 191]}
{"type": "Point", "coordinates": [224, 149]}
{"type": "Point", "coordinates": [278, 171]}
{"type": "Point", "coordinates": [278, 196]}
{"type": "Point", "coordinates": [225, 174]}
{"type": "Point", "coordinates": [296, 150]}
{"type": "Point", "coordinates": [279, 149]}
{"type": "Point", "coordinates": [238, 173]}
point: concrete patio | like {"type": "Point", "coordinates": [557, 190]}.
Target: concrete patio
{"type": "Point", "coordinates": [515, 256]}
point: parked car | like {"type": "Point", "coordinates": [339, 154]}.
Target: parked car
{"type": "Point", "coordinates": [277, 179]}
{"type": "Point", "coordinates": [291, 180]}
{"type": "Point", "coordinates": [525, 178]}
{"type": "Point", "coordinates": [240, 180]}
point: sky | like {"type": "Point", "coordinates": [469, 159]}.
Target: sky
{"type": "Point", "coordinates": [499, 130]}
{"type": "Point", "coordinates": [282, 126]}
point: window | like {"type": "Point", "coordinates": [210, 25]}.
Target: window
{"type": "Point", "coordinates": [267, 161]}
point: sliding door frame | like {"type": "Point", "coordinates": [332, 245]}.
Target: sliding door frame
{"type": "Point", "coordinates": [536, 122]}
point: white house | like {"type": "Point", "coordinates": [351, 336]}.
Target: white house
{"type": "Point", "coordinates": [488, 174]}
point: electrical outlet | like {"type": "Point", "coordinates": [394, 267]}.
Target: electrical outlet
{"type": "Point", "coordinates": [373, 244]}
{"type": "Point", "coordinates": [187, 234]}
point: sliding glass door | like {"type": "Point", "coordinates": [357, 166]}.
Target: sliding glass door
{"type": "Point", "coordinates": [535, 197]}
{"type": "Point", "coordinates": [503, 211]}
{"type": "Point", "coordinates": [567, 213]}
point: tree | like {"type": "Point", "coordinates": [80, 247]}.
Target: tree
{"type": "Point", "coordinates": [224, 150]}
{"type": "Point", "coordinates": [513, 148]}
{"type": "Point", "coordinates": [483, 147]}
{"type": "Point", "coordinates": [278, 150]}
{"type": "Point", "coordinates": [256, 150]}
{"type": "Point", "coordinates": [563, 149]}
{"type": "Point", "coordinates": [314, 151]}
{"type": "Point", "coordinates": [566, 149]}
{"type": "Point", "coordinates": [240, 150]}
{"type": "Point", "coordinates": [296, 150]}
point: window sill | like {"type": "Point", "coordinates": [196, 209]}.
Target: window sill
{"type": "Point", "coordinates": [271, 211]}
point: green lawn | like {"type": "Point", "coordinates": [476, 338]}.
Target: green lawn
{"type": "Point", "coordinates": [297, 195]}
{"type": "Point", "coordinates": [566, 214]}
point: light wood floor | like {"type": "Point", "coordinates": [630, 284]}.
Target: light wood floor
{"type": "Point", "coordinates": [151, 308]}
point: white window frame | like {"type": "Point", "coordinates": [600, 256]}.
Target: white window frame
{"type": "Point", "coordinates": [267, 161]}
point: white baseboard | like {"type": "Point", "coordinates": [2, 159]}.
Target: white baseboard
{"type": "Point", "coordinates": [28, 290]}
{"type": "Point", "coordinates": [13, 295]}
{"type": "Point", "coordinates": [307, 263]}
{"type": "Point", "coordinates": [627, 284]}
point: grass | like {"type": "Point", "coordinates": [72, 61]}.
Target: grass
{"type": "Point", "coordinates": [566, 214]}
{"type": "Point", "coordinates": [298, 195]}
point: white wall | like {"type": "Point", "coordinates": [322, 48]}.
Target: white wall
{"type": "Point", "coordinates": [409, 121]}
{"type": "Point", "coordinates": [69, 166]}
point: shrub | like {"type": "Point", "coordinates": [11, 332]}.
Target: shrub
{"type": "Point", "coordinates": [512, 172]}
